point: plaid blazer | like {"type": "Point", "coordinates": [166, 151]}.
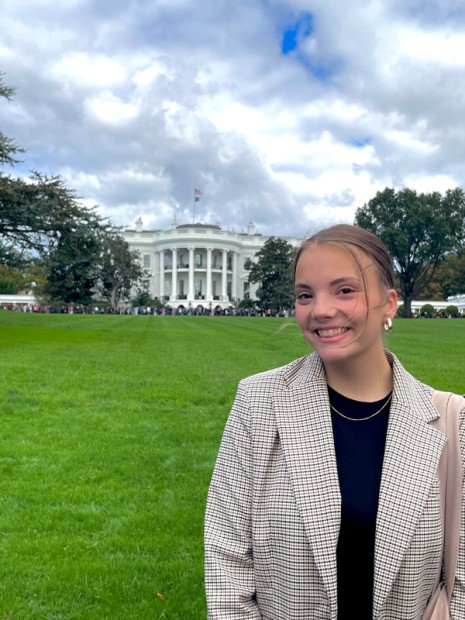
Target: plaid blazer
{"type": "Point", "coordinates": [273, 509]}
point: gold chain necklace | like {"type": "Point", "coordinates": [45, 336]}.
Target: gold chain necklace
{"type": "Point", "coordinates": [346, 417]}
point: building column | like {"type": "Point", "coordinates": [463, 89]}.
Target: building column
{"type": "Point", "coordinates": [162, 275]}
{"type": "Point", "coordinates": [224, 290]}
{"type": "Point", "coordinates": [174, 274]}
{"type": "Point", "coordinates": [208, 295]}
{"type": "Point", "coordinates": [234, 277]}
{"type": "Point", "coordinates": [190, 294]}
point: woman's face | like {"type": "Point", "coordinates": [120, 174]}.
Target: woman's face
{"type": "Point", "coordinates": [339, 310]}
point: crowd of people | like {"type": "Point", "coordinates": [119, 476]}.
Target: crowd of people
{"type": "Point", "coordinates": [147, 310]}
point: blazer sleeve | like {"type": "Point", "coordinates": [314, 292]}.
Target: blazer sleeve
{"type": "Point", "coordinates": [457, 603]}
{"type": "Point", "coordinates": [229, 567]}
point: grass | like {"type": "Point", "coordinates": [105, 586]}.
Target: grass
{"type": "Point", "coordinates": [110, 427]}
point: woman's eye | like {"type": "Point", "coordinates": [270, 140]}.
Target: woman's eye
{"type": "Point", "coordinates": [303, 296]}
{"type": "Point", "coordinates": [347, 290]}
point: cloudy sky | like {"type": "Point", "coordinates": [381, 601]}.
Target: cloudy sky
{"type": "Point", "coordinates": [288, 113]}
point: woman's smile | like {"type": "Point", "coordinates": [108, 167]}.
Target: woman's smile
{"type": "Point", "coordinates": [330, 332]}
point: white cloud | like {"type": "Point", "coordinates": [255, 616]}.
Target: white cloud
{"type": "Point", "coordinates": [109, 109]}
{"type": "Point", "coordinates": [437, 183]}
{"type": "Point", "coordinates": [147, 75]}
{"type": "Point", "coordinates": [442, 48]}
{"type": "Point", "coordinates": [88, 70]}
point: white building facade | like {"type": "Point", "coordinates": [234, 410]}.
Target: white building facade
{"type": "Point", "coordinates": [198, 265]}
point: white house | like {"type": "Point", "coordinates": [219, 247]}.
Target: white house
{"type": "Point", "coordinates": [194, 265]}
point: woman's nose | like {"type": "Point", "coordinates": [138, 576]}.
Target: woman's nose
{"type": "Point", "coordinates": [323, 307]}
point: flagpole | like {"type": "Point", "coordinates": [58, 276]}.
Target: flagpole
{"type": "Point", "coordinates": [197, 194]}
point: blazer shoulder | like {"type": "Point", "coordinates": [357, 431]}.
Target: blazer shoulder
{"type": "Point", "coordinates": [296, 372]}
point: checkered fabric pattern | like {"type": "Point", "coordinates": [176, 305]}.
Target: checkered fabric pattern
{"type": "Point", "coordinates": [273, 509]}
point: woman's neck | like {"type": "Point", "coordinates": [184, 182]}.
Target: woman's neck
{"type": "Point", "coordinates": [363, 380]}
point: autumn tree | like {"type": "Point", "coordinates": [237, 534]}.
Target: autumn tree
{"type": "Point", "coordinates": [418, 230]}
{"type": "Point", "coordinates": [448, 280]}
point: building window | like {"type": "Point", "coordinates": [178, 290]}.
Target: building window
{"type": "Point", "coordinates": [147, 261]}
{"type": "Point", "coordinates": [181, 287]}
{"type": "Point", "coordinates": [229, 289]}
{"type": "Point", "coordinates": [198, 260]}
{"type": "Point", "coordinates": [246, 290]}
{"type": "Point", "coordinates": [198, 288]}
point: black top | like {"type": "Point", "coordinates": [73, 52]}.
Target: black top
{"type": "Point", "coordinates": [359, 454]}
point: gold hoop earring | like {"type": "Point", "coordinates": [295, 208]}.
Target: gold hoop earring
{"type": "Point", "coordinates": [388, 325]}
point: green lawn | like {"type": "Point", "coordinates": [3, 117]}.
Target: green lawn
{"type": "Point", "coordinates": [110, 427]}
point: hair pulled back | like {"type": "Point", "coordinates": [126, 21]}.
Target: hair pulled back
{"type": "Point", "coordinates": [354, 238]}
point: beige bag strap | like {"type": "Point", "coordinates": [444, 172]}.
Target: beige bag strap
{"type": "Point", "coordinates": [450, 474]}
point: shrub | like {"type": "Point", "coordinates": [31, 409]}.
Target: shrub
{"type": "Point", "coordinates": [427, 310]}
{"type": "Point", "coordinates": [452, 310]}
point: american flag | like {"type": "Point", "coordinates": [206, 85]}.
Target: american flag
{"type": "Point", "coordinates": [197, 194]}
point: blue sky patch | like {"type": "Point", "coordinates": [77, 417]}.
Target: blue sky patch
{"type": "Point", "coordinates": [319, 71]}
{"type": "Point", "coordinates": [292, 39]}
{"type": "Point", "coordinates": [299, 31]}
{"type": "Point", "coordinates": [359, 143]}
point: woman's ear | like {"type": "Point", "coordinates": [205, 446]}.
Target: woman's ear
{"type": "Point", "coordinates": [391, 304]}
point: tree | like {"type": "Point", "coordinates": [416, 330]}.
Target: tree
{"type": "Point", "coordinates": [119, 270]}
{"type": "Point", "coordinates": [42, 220]}
{"type": "Point", "coordinates": [273, 272]}
{"type": "Point", "coordinates": [12, 281]}
{"type": "Point", "coordinates": [143, 299]}
{"type": "Point", "coordinates": [8, 148]}
{"type": "Point", "coordinates": [36, 215]}
{"type": "Point", "coordinates": [418, 230]}
{"type": "Point", "coordinates": [72, 267]}
{"type": "Point", "coordinates": [247, 303]}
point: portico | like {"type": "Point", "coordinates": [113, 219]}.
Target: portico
{"type": "Point", "coordinates": [195, 274]}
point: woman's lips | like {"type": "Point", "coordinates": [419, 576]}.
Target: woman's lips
{"type": "Point", "coordinates": [330, 332]}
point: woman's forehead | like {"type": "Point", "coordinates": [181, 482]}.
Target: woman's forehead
{"type": "Point", "coordinates": [334, 261]}
{"type": "Point", "coordinates": [339, 253]}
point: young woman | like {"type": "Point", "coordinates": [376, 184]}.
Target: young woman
{"type": "Point", "coordinates": [324, 503]}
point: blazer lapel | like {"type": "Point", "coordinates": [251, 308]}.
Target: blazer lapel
{"type": "Point", "coordinates": [412, 453]}
{"type": "Point", "coordinates": [304, 424]}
